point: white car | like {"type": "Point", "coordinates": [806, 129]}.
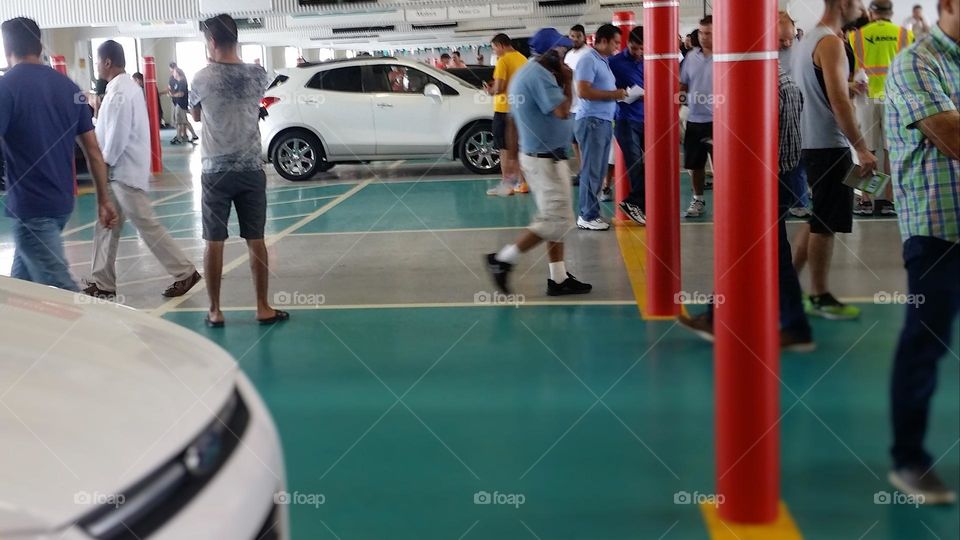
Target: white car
{"type": "Point", "coordinates": [374, 109]}
{"type": "Point", "coordinates": [118, 425]}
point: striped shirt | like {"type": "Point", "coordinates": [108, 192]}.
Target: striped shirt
{"type": "Point", "coordinates": [924, 80]}
{"type": "Point", "coordinates": [791, 104]}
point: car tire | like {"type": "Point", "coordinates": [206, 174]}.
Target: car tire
{"type": "Point", "coordinates": [298, 156]}
{"type": "Point", "coordinates": [477, 152]}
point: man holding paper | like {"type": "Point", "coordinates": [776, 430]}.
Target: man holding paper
{"type": "Point", "coordinates": [627, 67]}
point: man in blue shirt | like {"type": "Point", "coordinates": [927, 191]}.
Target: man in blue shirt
{"type": "Point", "coordinates": [541, 93]}
{"type": "Point", "coordinates": [598, 93]}
{"type": "Point", "coordinates": [627, 67]}
{"type": "Point", "coordinates": [696, 79]}
{"type": "Point", "coordinates": [41, 114]}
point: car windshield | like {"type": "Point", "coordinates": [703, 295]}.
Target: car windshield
{"type": "Point", "coordinates": [438, 73]}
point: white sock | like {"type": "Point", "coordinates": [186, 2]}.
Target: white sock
{"type": "Point", "coordinates": [698, 197]}
{"type": "Point", "coordinates": [509, 254]}
{"type": "Point", "coordinates": [558, 272]}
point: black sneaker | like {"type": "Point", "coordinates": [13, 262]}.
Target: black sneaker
{"type": "Point", "coordinates": [634, 212]}
{"type": "Point", "coordinates": [499, 270]}
{"type": "Point", "coordinates": [569, 286]}
{"type": "Point", "coordinates": [576, 180]}
{"type": "Point", "coordinates": [924, 484]}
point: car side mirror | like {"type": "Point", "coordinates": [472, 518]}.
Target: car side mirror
{"type": "Point", "coordinates": [433, 91]}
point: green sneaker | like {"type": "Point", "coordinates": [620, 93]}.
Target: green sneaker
{"type": "Point", "coordinates": [828, 307]}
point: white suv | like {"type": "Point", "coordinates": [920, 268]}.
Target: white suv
{"type": "Point", "coordinates": [374, 109]}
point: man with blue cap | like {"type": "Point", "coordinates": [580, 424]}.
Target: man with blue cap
{"type": "Point", "coordinates": [541, 94]}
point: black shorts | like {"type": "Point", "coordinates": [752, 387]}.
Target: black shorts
{"type": "Point", "coordinates": [695, 150]}
{"type": "Point", "coordinates": [499, 130]}
{"type": "Point", "coordinates": [247, 191]}
{"type": "Point", "coordinates": [832, 199]}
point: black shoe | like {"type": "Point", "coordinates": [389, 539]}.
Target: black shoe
{"type": "Point", "coordinates": [97, 292]}
{"type": "Point", "coordinates": [195, 138]}
{"type": "Point", "coordinates": [923, 484]}
{"type": "Point", "coordinates": [499, 270]}
{"type": "Point", "coordinates": [176, 140]}
{"type": "Point", "coordinates": [634, 212]}
{"type": "Point", "coordinates": [569, 286]}
{"type": "Point", "coordinates": [576, 179]}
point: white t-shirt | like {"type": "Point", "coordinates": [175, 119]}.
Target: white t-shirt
{"type": "Point", "coordinates": [573, 56]}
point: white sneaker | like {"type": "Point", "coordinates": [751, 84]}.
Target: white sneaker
{"type": "Point", "coordinates": [501, 190]}
{"type": "Point", "coordinates": [696, 208]}
{"type": "Point", "coordinates": [592, 225]}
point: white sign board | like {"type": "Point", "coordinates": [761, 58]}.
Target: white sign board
{"type": "Point", "coordinates": [427, 14]}
{"type": "Point", "coordinates": [234, 6]}
{"type": "Point", "coordinates": [460, 13]}
{"type": "Point", "coordinates": [516, 9]}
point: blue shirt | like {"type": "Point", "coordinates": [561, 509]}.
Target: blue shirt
{"type": "Point", "coordinates": [595, 69]}
{"type": "Point", "coordinates": [696, 71]}
{"type": "Point", "coordinates": [628, 71]}
{"type": "Point", "coordinates": [41, 114]}
{"type": "Point", "coordinates": [534, 94]}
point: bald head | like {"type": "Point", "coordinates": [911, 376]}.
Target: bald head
{"type": "Point", "coordinates": [786, 30]}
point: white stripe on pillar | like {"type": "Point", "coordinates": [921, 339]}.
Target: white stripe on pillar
{"type": "Point", "coordinates": [740, 57]}
{"type": "Point", "coordinates": [648, 5]}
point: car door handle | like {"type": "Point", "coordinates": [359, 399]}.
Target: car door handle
{"type": "Point", "coordinates": [384, 105]}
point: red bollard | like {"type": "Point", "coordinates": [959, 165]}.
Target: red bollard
{"type": "Point", "coordinates": [625, 21]}
{"type": "Point", "coordinates": [661, 71]}
{"type": "Point", "coordinates": [746, 321]}
{"type": "Point", "coordinates": [153, 113]}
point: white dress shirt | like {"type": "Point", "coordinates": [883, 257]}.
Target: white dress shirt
{"type": "Point", "coordinates": [573, 56]}
{"type": "Point", "coordinates": [123, 132]}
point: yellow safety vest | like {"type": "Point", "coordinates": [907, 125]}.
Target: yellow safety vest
{"type": "Point", "coordinates": [874, 47]}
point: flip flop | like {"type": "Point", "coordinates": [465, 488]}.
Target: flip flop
{"type": "Point", "coordinates": [212, 324]}
{"type": "Point", "coordinates": [279, 317]}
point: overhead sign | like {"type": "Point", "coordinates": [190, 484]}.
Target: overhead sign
{"type": "Point", "coordinates": [427, 14]}
{"type": "Point", "coordinates": [515, 9]}
{"type": "Point", "coordinates": [459, 13]}
{"type": "Point", "coordinates": [234, 6]}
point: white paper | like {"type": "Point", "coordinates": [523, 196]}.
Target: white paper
{"type": "Point", "coordinates": [633, 94]}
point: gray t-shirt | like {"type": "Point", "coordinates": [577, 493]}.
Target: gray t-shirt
{"type": "Point", "coordinates": [229, 97]}
{"type": "Point", "coordinates": [818, 125]}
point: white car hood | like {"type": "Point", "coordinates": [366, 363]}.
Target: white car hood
{"type": "Point", "coordinates": [93, 397]}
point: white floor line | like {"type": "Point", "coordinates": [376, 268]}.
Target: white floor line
{"type": "Point", "coordinates": [414, 231]}
{"type": "Point", "coordinates": [92, 224]}
{"type": "Point", "coordinates": [148, 254]}
{"type": "Point", "coordinates": [294, 201]}
{"type": "Point", "coordinates": [275, 218]}
{"type": "Point", "coordinates": [270, 240]}
{"type": "Point", "coordinates": [529, 303]}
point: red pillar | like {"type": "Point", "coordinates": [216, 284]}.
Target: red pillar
{"type": "Point", "coordinates": [745, 251]}
{"type": "Point", "coordinates": [625, 21]}
{"type": "Point", "coordinates": [153, 113]}
{"type": "Point", "coordinates": [661, 70]}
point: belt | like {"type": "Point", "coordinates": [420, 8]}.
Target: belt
{"type": "Point", "coordinates": [556, 155]}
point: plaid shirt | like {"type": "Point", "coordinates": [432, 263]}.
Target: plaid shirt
{"type": "Point", "coordinates": [791, 104]}
{"type": "Point", "coordinates": [924, 80]}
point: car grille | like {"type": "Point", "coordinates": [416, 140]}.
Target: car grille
{"type": "Point", "coordinates": [153, 501]}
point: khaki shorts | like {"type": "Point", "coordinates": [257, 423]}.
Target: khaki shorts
{"type": "Point", "coordinates": [180, 116]}
{"type": "Point", "coordinates": [870, 118]}
{"type": "Point", "coordinates": [549, 182]}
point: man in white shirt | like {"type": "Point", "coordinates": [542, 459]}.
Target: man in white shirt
{"type": "Point", "coordinates": [123, 132]}
{"type": "Point", "coordinates": [916, 23]}
{"type": "Point", "coordinates": [578, 35]}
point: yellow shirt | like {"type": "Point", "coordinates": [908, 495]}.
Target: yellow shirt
{"type": "Point", "coordinates": [874, 47]}
{"type": "Point", "coordinates": [507, 65]}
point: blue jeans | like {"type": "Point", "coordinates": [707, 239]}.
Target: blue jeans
{"type": "Point", "coordinates": [797, 190]}
{"type": "Point", "coordinates": [39, 255]}
{"type": "Point", "coordinates": [630, 139]}
{"type": "Point", "coordinates": [932, 268]}
{"type": "Point", "coordinates": [595, 137]}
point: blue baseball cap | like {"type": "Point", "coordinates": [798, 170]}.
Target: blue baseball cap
{"type": "Point", "coordinates": [548, 38]}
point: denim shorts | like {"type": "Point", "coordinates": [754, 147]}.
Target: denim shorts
{"type": "Point", "coordinates": [245, 190]}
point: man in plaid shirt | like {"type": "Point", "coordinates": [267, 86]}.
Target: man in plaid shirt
{"type": "Point", "coordinates": [922, 125]}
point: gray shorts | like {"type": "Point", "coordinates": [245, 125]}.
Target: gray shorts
{"type": "Point", "coordinates": [247, 191]}
{"type": "Point", "coordinates": [180, 116]}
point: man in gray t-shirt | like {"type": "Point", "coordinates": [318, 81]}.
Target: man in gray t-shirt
{"type": "Point", "coordinates": [226, 98]}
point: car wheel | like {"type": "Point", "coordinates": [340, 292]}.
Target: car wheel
{"type": "Point", "coordinates": [477, 152]}
{"type": "Point", "coordinates": [299, 156]}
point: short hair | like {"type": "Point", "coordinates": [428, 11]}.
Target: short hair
{"type": "Point", "coordinates": [138, 76]}
{"type": "Point", "coordinates": [917, 6]}
{"type": "Point", "coordinates": [221, 29]}
{"type": "Point", "coordinates": [501, 39]}
{"type": "Point", "coordinates": [456, 53]}
{"type": "Point", "coordinates": [21, 37]}
{"type": "Point", "coordinates": [606, 32]}
{"type": "Point", "coordinates": [173, 65]}
{"type": "Point", "coordinates": [636, 35]}
{"type": "Point", "coordinates": [444, 56]}
{"type": "Point", "coordinates": [706, 21]}
{"type": "Point", "coordinates": [578, 28]}
{"type": "Point", "coordinates": [113, 51]}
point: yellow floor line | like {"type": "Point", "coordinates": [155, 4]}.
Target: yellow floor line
{"type": "Point", "coordinates": [783, 528]}
{"type": "Point", "coordinates": [633, 248]}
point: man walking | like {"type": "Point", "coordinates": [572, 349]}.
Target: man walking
{"type": "Point", "coordinates": [696, 79]}
{"type": "Point", "coordinates": [509, 61]}
{"type": "Point", "coordinates": [922, 123]}
{"type": "Point", "coordinates": [123, 132]}
{"type": "Point", "coordinates": [598, 93]}
{"type": "Point", "coordinates": [42, 117]}
{"type": "Point", "coordinates": [542, 93]}
{"type": "Point", "coordinates": [829, 127]}
{"type": "Point", "coordinates": [578, 36]}
{"type": "Point", "coordinates": [226, 98]}
{"type": "Point", "coordinates": [179, 92]}
{"type": "Point", "coordinates": [627, 68]}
